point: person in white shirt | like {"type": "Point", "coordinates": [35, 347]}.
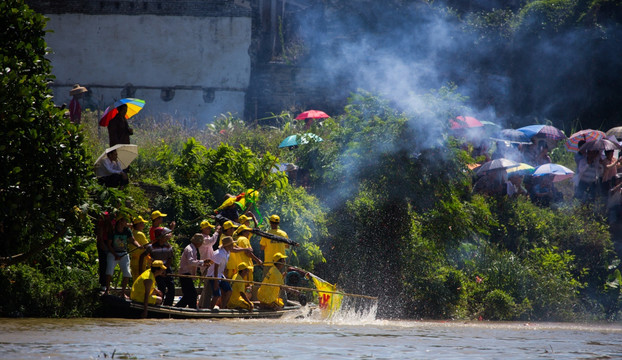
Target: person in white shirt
{"type": "Point", "coordinates": [109, 172]}
{"type": "Point", "coordinates": [221, 289]}
{"type": "Point", "coordinates": [188, 266]}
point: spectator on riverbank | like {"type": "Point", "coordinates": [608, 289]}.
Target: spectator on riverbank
{"type": "Point", "coordinates": [109, 172]}
{"type": "Point", "coordinates": [75, 110]}
{"type": "Point", "coordinates": [119, 130]}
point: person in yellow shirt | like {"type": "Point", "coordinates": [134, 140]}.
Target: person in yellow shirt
{"type": "Point", "coordinates": [268, 295]}
{"type": "Point", "coordinates": [141, 238]}
{"type": "Point", "coordinates": [240, 297]}
{"type": "Point", "coordinates": [244, 234]}
{"type": "Point", "coordinates": [271, 247]}
{"type": "Point", "coordinates": [229, 229]}
{"type": "Point", "coordinates": [144, 288]}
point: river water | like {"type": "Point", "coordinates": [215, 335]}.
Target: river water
{"type": "Point", "coordinates": [348, 336]}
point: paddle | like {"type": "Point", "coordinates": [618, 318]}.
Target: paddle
{"type": "Point", "coordinates": [221, 219]}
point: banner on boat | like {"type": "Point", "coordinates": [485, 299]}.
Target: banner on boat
{"type": "Point", "coordinates": [329, 302]}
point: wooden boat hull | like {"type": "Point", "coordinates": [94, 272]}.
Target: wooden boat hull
{"type": "Point", "coordinates": [118, 307]}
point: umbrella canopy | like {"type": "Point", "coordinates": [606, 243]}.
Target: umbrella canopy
{"type": "Point", "coordinates": [616, 131]}
{"type": "Point", "coordinates": [464, 122]}
{"type": "Point", "coordinates": [133, 107]}
{"type": "Point", "coordinates": [545, 131]}
{"type": "Point", "coordinates": [126, 153]}
{"type": "Point", "coordinates": [559, 172]}
{"type": "Point", "coordinates": [599, 145]}
{"type": "Point", "coordinates": [312, 114]}
{"type": "Point", "coordinates": [294, 140]}
{"type": "Point", "coordinates": [572, 143]}
{"type": "Point", "coordinates": [497, 164]}
{"type": "Point", "coordinates": [513, 136]}
{"type": "Point", "coordinates": [521, 169]}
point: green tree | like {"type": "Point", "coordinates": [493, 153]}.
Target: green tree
{"type": "Point", "coordinates": [44, 165]}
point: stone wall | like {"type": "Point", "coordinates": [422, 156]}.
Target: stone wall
{"type": "Point", "coordinates": [189, 59]}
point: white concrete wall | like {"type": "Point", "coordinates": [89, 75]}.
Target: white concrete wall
{"type": "Point", "coordinates": [151, 52]}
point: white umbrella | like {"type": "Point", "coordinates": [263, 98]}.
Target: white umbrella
{"type": "Point", "coordinates": [559, 172]}
{"type": "Point", "coordinates": [126, 153]}
{"type": "Point", "coordinates": [497, 164]}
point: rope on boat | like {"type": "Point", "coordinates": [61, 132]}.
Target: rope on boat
{"type": "Point", "coordinates": [281, 286]}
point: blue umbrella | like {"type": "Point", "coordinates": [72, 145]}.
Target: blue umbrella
{"type": "Point", "coordinates": [546, 131]}
{"type": "Point", "coordinates": [513, 136]}
{"type": "Point", "coordinates": [294, 140]}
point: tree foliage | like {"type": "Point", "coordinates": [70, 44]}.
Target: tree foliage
{"type": "Point", "coordinates": [43, 161]}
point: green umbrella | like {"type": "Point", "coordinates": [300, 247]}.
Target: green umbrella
{"type": "Point", "coordinates": [295, 140]}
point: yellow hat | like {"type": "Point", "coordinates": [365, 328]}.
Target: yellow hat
{"type": "Point", "coordinates": [244, 266]}
{"type": "Point", "coordinates": [228, 225]}
{"type": "Point", "coordinates": [158, 264]}
{"type": "Point", "coordinates": [139, 219]}
{"type": "Point", "coordinates": [227, 240]}
{"type": "Point", "coordinates": [278, 256]}
{"type": "Point", "coordinates": [242, 228]}
{"type": "Point", "coordinates": [243, 218]}
{"type": "Point", "coordinates": [156, 214]}
{"type": "Point", "coordinates": [275, 219]}
{"type": "Point", "coordinates": [206, 224]}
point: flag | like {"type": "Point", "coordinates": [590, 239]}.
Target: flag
{"type": "Point", "coordinates": [329, 301]}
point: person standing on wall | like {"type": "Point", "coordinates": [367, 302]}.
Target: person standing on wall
{"type": "Point", "coordinates": [75, 110]}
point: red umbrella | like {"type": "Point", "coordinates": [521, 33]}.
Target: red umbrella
{"type": "Point", "coordinates": [464, 122]}
{"type": "Point", "coordinates": [312, 114]}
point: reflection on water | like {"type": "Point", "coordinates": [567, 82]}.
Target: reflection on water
{"type": "Point", "coordinates": [347, 335]}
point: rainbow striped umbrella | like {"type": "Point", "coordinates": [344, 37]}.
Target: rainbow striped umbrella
{"type": "Point", "coordinates": [133, 107]}
{"type": "Point", "coordinates": [572, 143]}
{"type": "Point", "coordinates": [521, 169]}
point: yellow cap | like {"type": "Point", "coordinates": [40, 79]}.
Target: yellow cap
{"type": "Point", "coordinates": [241, 229]}
{"type": "Point", "coordinates": [156, 214]}
{"type": "Point", "coordinates": [278, 256]}
{"type": "Point", "coordinates": [158, 264]}
{"type": "Point", "coordinates": [139, 219]}
{"type": "Point", "coordinates": [275, 219]}
{"type": "Point", "coordinates": [243, 218]}
{"type": "Point", "coordinates": [228, 225]}
{"type": "Point", "coordinates": [244, 266]}
{"type": "Point", "coordinates": [206, 224]}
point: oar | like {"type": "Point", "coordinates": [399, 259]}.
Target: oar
{"type": "Point", "coordinates": [281, 286]}
{"type": "Point", "coordinates": [221, 219]}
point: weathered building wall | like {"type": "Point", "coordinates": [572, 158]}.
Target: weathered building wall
{"type": "Point", "coordinates": [189, 59]}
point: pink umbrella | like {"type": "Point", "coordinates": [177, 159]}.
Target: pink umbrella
{"type": "Point", "coordinates": [312, 114]}
{"type": "Point", "coordinates": [464, 122]}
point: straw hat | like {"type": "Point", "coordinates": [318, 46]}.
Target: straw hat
{"type": "Point", "coordinates": [77, 89]}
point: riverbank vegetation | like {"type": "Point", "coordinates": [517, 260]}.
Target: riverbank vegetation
{"type": "Point", "coordinates": [383, 204]}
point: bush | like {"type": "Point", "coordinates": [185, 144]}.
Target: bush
{"type": "Point", "coordinates": [498, 305]}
